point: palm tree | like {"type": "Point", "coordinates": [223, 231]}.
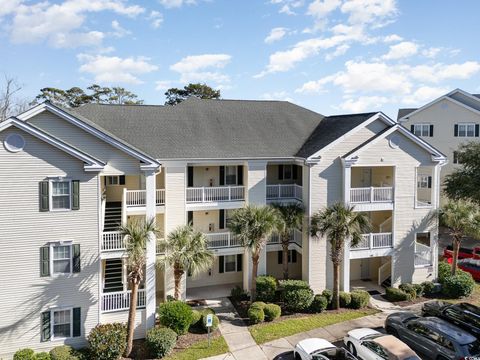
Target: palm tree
{"type": "Point", "coordinates": [462, 218]}
{"type": "Point", "coordinates": [291, 218]}
{"type": "Point", "coordinates": [339, 223]}
{"type": "Point", "coordinates": [136, 236]}
{"type": "Point", "coordinates": [253, 225]}
{"type": "Point", "coordinates": [186, 250]}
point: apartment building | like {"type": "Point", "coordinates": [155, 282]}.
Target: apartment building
{"type": "Point", "coordinates": [69, 177]}
{"type": "Point", "coordinates": [445, 122]}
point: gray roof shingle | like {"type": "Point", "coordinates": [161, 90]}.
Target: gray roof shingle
{"type": "Point", "coordinates": [404, 112]}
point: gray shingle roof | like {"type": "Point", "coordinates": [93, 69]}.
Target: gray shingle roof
{"type": "Point", "coordinates": [404, 112]}
{"type": "Point", "coordinates": [198, 129]}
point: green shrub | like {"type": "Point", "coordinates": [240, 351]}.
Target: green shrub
{"type": "Point", "coordinates": [328, 294]}
{"type": "Point", "coordinates": [256, 315]}
{"type": "Point", "coordinates": [65, 352]}
{"type": "Point", "coordinates": [160, 341]}
{"type": "Point", "coordinates": [293, 284]}
{"type": "Point", "coordinates": [106, 341]}
{"type": "Point", "coordinates": [258, 304]}
{"type": "Point", "coordinates": [393, 294]}
{"type": "Point", "coordinates": [196, 317]}
{"type": "Point", "coordinates": [409, 289]}
{"type": "Point", "coordinates": [176, 315]}
{"type": "Point", "coordinates": [266, 288]}
{"type": "Point", "coordinates": [444, 270]}
{"type": "Point", "coordinates": [215, 320]}
{"type": "Point", "coordinates": [237, 293]}
{"type": "Point", "coordinates": [345, 299]}
{"type": "Point", "coordinates": [24, 354]}
{"type": "Point", "coordinates": [419, 289]}
{"type": "Point", "coordinates": [428, 287]}
{"type": "Point", "coordinates": [459, 285]}
{"type": "Point", "coordinates": [42, 356]}
{"type": "Point", "coordinates": [297, 295]}
{"type": "Point", "coordinates": [318, 304]}
{"type": "Point", "coordinates": [272, 312]}
{"type": "Point", "coordinates": [359, 299]}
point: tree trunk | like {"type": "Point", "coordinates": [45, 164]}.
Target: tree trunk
{"type": "Point", "coordinates": [253, 290]}
{"type": "Point", "coordinates": [336, 286]}
{"type": "Point", "coordinates": [285, 258]}
{"type": "Point", "coordinates": [456, 250]}
{"type": "Point", "coordinates": [131, 317]}
{"type": "Point", "coordinates": [177, 275]}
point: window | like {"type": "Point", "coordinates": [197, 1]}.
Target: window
{"type": "Point", "coordinates": [230, 263]}
{"type": "Point", "coordinates": [466, 130]}
{"type": "Point", "coordinates": [62, 324]}
{"type": "Point", "coordinates": [61, 259]}
{"type": "Point", "coordinates": [456, 160]}
{"type": "Point", "coordinates": [292, 256]}
{"type": "Point", "coordinates": [287, 172]}
{"type": "Point", "coordinates": [423, 239]}
{"type": "Point", "coordinates": [422, 129]}
{"type": "Point", "coordinates": [60, 195]}
{"type": "Point", "coordinates": [424, 181]}
{"type": "Point", "coordinates": [115, 180]}
{"type": "Point", "coordinates": [376, 349]}
{"type": "Point", "coordinates": [230, 175]}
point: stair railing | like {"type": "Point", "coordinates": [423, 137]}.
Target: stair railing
{"type": "Point", "coordinates": [384, 272]}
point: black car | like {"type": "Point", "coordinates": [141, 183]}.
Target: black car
{"type": "Point", "coordinates": [464, 315]}
{"type": "Point", "coordinates": [432, 337]}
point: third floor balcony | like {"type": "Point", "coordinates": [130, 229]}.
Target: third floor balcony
{"type": "Point", "coordinates": [372, 188]}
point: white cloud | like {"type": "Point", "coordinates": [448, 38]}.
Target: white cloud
{"type": "Point", "coordinates": [276, 34]}
{"type": "Point", "coordinates": [163, 85]}
{"type": "Point", "coordinates": [364, 103]}
{"type": "Point", "coordinates": [156, 19]}
{"type": "Point", "coordinates": [401, 50]}
{"type": "Point", "coordinates": [60, 24]}
{"type": "Point", "coordinates": [198, 68]}
{"type": "Point", "coordinates": [439, 72]}
{"type": "Point", "coordinates": [176, 3]}
{"type": "Point", "coordinates": [392, 38]}
{"type": "Point", "coordinates": [9, 6]}
{"type": "Point", "coordinates": [114, 70]}
{"type": "Point", "coordinates": [277, 95]}
{"type": "Point", "coordinates": [321, 8]}
{"type": "Point", "coordinates": [287, 6]}
{"type": "Point", "coordinates": [369, 11]}
{"type": "Point", "coordinates": [431, 52]}
{"type": "Point", "coordinates": [424, 95]}
{"type": "Point", "coordinates": [118, 30]}
{"type": "Point", "coordinates": [340, 50]}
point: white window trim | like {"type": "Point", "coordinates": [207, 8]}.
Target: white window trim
{"type": "Point", "coordinates": [225, 264]}
{"type": "Point", "coordinates": [422, 125]}
{"type": "Point", "coordinates": [62, 243]}
{"type": "Point", "coordinates": [421, 182]}
{"type": "Point", "coordinates": [225, 175]}
{"type": "Point", "coordinates": [416, 204]}
{"type": "Point", "coordinates": [52, 322]}
{"type": "Point", "coordinates": [415, 249]}
{"type": "Point", "coordinates": [50, 193]}
{"type": "Point", "coordinates": [466, 130]}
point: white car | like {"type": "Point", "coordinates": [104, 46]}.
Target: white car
{"type": "Point", "coordinates": [320, 349]}
{"type": "Point", "coordinates": [369, 344]}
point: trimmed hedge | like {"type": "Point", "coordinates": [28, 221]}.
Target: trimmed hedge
{"type": "Point", "coordinates": [266, 288]}
{"type": "Point", "coordinates": [319, 304]}
{"type": "Point", "coordinates": [176, 315]}
{"type": "Point", "coordinates": [345, 299]}
{"type": "Point", "coordinates": [215, 320]}
{"type": "Point", "coordinates": [42, 356]}
{"type": "Point", "coordinates": [105, 342]}
{"type": "Point", "coordinates": [24, 354]}
{"type": "Point", "coordinates": [272, 312]}
{"type": "Point", "coordinates": [297, 295]}
{"type": "Point", "coordinates": [256, 315]}
{"type": "Point", "coordinates": [393, 294]}
{"type": "Point", "coordinates": [160, 341]}
{"type": "Point", "coordinates": [359, 299]}
{"type": "Point", "coordinates": [459, 285]}
{"type": "Point", "coordinates": [428, 287]}
{"type": "Point", "coordinates": [64, 352]}
{"type": "Point", "coordinates": [258, 304]}
{"type": "Point", "coordinates": [409, 289]}
{"type": "Point", "coordinates": [196, 317]}
{"type": "Point", "coordinates": [444, 270]}
{"type": "Point", "coordinates": [328, 294]}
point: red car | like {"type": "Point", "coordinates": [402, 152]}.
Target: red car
{"type": "Point", "coordinates": [464, 253]}
{"type": "Point", "coordinates": [469, 265]}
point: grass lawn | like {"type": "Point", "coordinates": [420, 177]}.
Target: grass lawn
{"type": "Point", "coordinates": [265, 332]}
{"type": "Point", "coordinates": [201, 350]}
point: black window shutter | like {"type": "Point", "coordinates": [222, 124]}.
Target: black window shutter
{"type": "Point", "coordinates": [121, 180]}
{"type": "Point", "coordinates": [239, 262]}
{"type": "Point", "coordinates": [190, 217]}
{"type": "Point", "coordinates": [45, 261]}
{"type": "Point", "coordinates": [295, 172]}
{"type": "Point", "coordinates": [294, 256]}
{"type": "Point", "coordinates": [455, 130]}
{"type": "Point", "coordinates": [429, 182]}
{"type": "Point", "coordinates": [221, 261]}
{"type": "Point", "coordinates": [75, 195]}
{"type": "Point", "coordinates": [76, 258]}
{"type": "Point", "coordinates": [477, 128]}
{"type": "Point", "coordinates": [45, 326]}
{"type": "Point", "coordinates": [431, 130]}
{"type": "Point", "coordinates": [190, 176]}
{"type": "Point", "coordinates": [44, 197]}
{"type": "Point", "coordinates": [222, 176]}
{"type": "Point", "coordinates": [412, 129]}
{"type": "Point", "coordinates": [77, 322]}
{"type": "Point", "coordinates": [221, 219]}
{"type": "Point", "coordinates": [280, 172]}
{"type": "Point", "coordinates": [240, 175]}
{"type": "Point", "coordinates": [280, 257]}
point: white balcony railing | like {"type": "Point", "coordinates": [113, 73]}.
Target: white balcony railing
{"type": "Point", "coordinates": [112, 241]}
{"type": "Point", "coordinates": [375, 241]}
{"type": "Point", "coordinates": [295, 237]}
{"type": "Point", "coordinates": [222, 240]}
{"type": "Point", "coordinates": [423, 255]}
{"type": "Point", "coordinates": [134, 198]}
{"type": "Point", "coordinates": [120, 300]}
{"type": "Point", "coordinates": [371, 195]}
{"type": "Point", "coordinates": [215, 193]}
{"type": "Point", "coordinates": [284, 191]}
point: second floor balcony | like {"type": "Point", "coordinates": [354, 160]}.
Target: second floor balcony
{"type": "Point", "coordinates": [375, 241]}
{"type": "Point", "coordinates": [137, 198]}
{"type": "Point", "coordinates": [284, 192]}
{"type": "Point", "coordinates": [371, 194]}
{"type": "Point", "coordinates": [214, 194]}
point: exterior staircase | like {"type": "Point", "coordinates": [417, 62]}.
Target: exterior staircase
{"type": "Point", "coordinates": [113, 275]}
{"type": "Point", "coordinates": [387, 282]}
{"type": "Point", "coordinates": [113, 216]}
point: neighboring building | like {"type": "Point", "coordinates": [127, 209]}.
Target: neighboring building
{"type": "Point", "coordinates": [446, 122]}
{"type": "Point", "coordinates": [69, 177]}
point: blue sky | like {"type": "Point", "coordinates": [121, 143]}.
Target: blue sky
{"type": "Point", "coordinates": [332, 56]}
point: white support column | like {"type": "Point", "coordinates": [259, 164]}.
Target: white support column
{"type": "Point", "coordinates": [347, 180]}
{"type": "Point", "coordinates": [345, 270]}
{"type": "Point", "coordinates": [151, 251]}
